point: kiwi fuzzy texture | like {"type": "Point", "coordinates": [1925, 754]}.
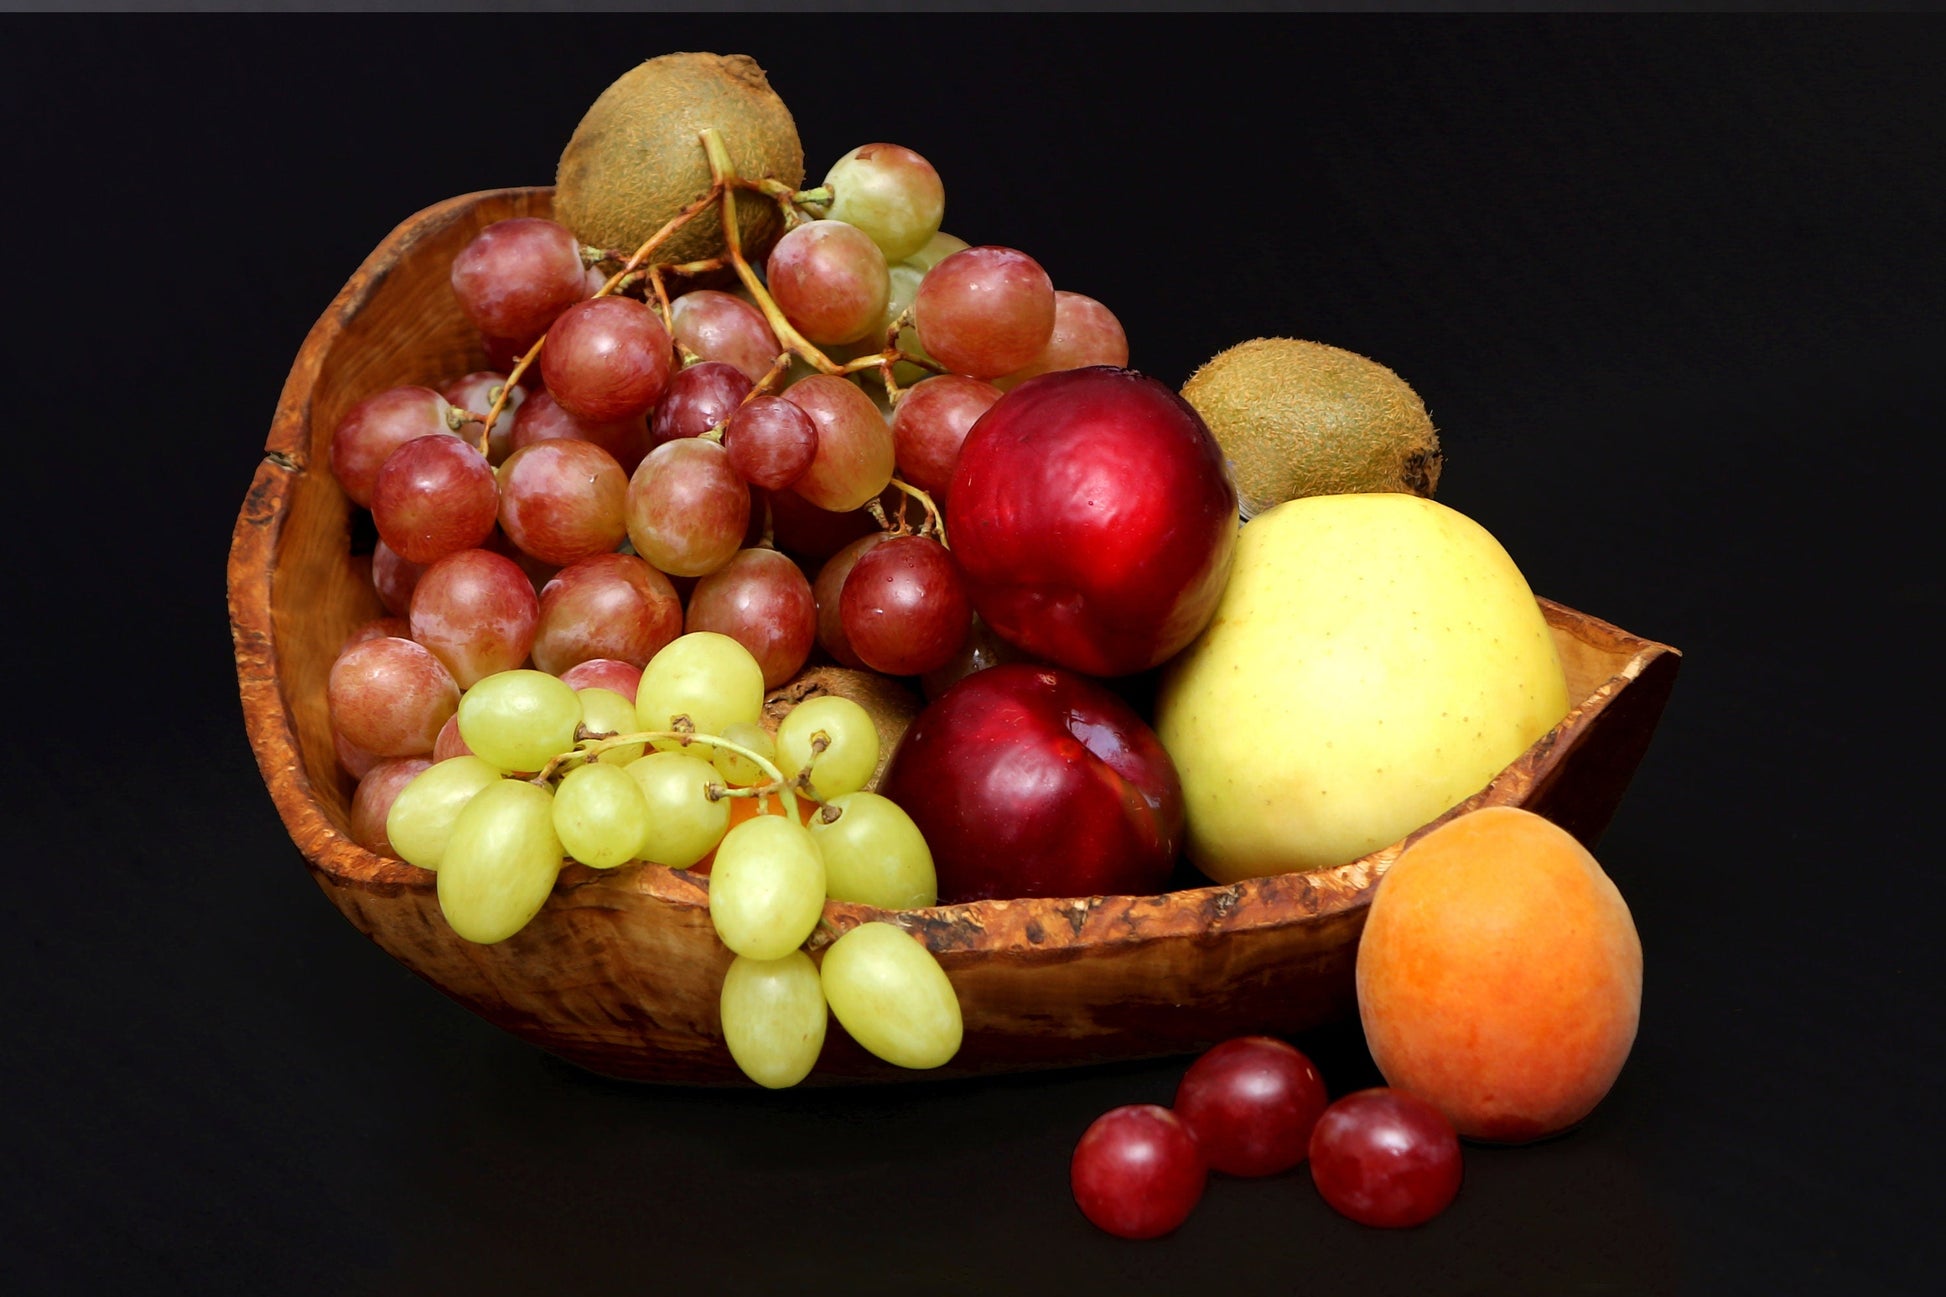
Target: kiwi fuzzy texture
{"type": "Point", "coordinates": [1298, 418]}
{"type": "Point", "coordinates": [637, 158]}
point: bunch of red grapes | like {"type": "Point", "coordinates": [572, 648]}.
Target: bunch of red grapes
{"type": "Point", "coordinates": [768, 460]}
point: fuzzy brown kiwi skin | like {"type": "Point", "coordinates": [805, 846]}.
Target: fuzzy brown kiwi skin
{"type": "Point", "coordinates": [635, 159]}
{"type": "Point", "coordinates": [1299, 418]}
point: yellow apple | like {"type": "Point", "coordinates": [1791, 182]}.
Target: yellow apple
{"type": "Point", "coordinates": [1375, 660]}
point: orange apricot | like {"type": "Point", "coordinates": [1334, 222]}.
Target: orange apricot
{"type": "Point", "coordinates": [1499, 976]}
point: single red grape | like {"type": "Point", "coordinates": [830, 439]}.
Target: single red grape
{"type": "Point", "coordinates": [388, 697]}
{"type": "Point", "coordinates": [449, 743]}
{"type": "Point", "coordinates": [476, 611]}
{"type": "Point", "coordinates": [771, 441]}
{"type": "Point", "coordinates": [372, 801]}
{"type": "Point", "coordinates": [1085, 333]}
{"type": "Point", "coordinates": [1385, 1157]}
{"type": "Point", "coordinates": [434, 496]}
{"type": "Point", "coordinates": [563, 500]}
{"type": "Point", "coordinates": [607, 358]}
{"type": "Point", "coordinates": [904, 606]}
{"type": "Point", "coordinates": [830, 281]}
{"type": "Point", "coordinates": [516, 276]}
{"type": "Point", "coordinates": [625, 678]}
{"type": "Point", "coordinates": [1137, 1172]}
{"type": "Point", "coordinates": [393, 577]}
{"type": "Point", "coordinates": [721, 326]}
{"type": "Point", "coordinates": [985, 311]}
{"type": "Point", "coordinates": [929, 424]}
{"type": "Point", "coordinates": [854, 460]}
{"type": "Point", "coordinates": [687, 508]}
{"type": "Point", "coordinates": [1251, 1103]}
{"type": "Point", "coordinates": [698, 398]}
{"type": "Point", "coordinates": [610, 606]}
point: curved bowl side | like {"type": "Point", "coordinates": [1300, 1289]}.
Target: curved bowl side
{"type": "Point", "coordinates": [621, 970]}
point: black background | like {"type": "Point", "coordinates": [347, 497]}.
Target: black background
{"type": "Point", "coordinates": [1671, 289]}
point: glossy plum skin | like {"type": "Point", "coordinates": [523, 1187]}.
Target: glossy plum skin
{"type": "Point", "coordinates": [1036, 781]}
{"type": "Point", "coordinates": [1251, 1102]}
{"type": "Point", "coordinates": [1385, 1157]}
{"type": "Point", "coordinates": [1093, 519]}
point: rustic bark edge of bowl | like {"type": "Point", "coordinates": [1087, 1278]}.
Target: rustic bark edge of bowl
{"type": "Point", "coordinates": [621, 970]}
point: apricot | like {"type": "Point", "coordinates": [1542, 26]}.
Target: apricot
{"type": "Point", "coordinates": [1499, 976]}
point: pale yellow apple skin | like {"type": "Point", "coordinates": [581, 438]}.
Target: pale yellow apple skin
{"type": "Point", "coordinates": [1375, 660]}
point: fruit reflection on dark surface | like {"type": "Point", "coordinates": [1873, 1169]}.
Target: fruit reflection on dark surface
{"type": "Point", "coordinates": [1036, 781]}
{"type": "Point", "coordinates": [1093, 519]}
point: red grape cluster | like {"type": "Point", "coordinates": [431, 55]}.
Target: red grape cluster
{"type": "Point", "coordinates": [1256, 1106]}
{"type": "Point", "coordinates": [650, 452]}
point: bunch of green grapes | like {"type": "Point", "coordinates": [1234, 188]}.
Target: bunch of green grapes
{"type": "Point", "coordinates": [552, 774]}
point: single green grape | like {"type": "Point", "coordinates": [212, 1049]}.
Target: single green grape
{"type": "Point", "coordinates": [874, 854]}
{"type": "Point", "coordinates": [600, 815]}
{"type": "Point", "coordinates": [851, 754]}
{"type": "Point", "coordinates": [603, 711]}
{"type": "Point", "coordinates": [422, 815]}
{"type": "Point", "coordinates": [766, 888]}
{"type": "Point", "coordinates": [774, 1017]}
{"type": "Point", "coordinates": [939, 247]}
{"type": "Point", "coordinates": [739, 771]}
{"type": "Point", "coordinates": [519, 720]}
{"type": "Point", "coordinates": [891, 995]}
{"type": "Point", "coordinates": [684, 825]}
{"type": "Point", "coordinates": [708, 677]}
{"type": "Point", "coordinates": [501, 861]}
{"type": "Point", "coordinates": [891, 193]}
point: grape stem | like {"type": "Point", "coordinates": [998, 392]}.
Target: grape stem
{"type": "Point", "coordinates": [591, 748]}
{"type": "Point", "coordinates": [935, 521]}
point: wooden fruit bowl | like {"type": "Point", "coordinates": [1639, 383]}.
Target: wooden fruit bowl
{"type": "Point", "coordinates": [621, 970]}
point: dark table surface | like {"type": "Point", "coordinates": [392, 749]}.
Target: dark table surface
{"type": "Point", "coordinates": [1671, 289]}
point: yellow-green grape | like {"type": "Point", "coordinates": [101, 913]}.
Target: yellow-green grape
{"type": "Point", "coordinates": [710, 678]}
{"type": "Point", "coordinates": [939, 247]}
{"type": "Point", "coordinates": [851, 753]}
{"type": "Point", "coordinates": [874, 854]}
{"type": "Point", "coordinates": [774, 1017]}
{"type": "Point", "coordinates": [603, 711]}
{"type": "Point", "coordinates": [519, 720]}
{"type": "Point", "coordinates": [684, 825]}
{"type": "Point", "coordinates": [739, 771]}
{"type": "Point", "coordinates": [766, 889]}
{"type": "Point", "coordinates": [422, 815]}
{"type": "Point", "coordinates": [600, 815]}
{"type": "Point", "coordinates": [891, 995]}
{"type": "Point", "coordinates": [891, 193]}
{"type": "Point", "coordinates": [501, 861]}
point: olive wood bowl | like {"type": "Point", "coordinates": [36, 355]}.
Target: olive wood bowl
{"type": "Point", "coordinates": [621, 970]}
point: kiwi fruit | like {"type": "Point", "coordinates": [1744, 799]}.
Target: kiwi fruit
{"type": "Point", "coordinates": [1297, 418]}
{"type": "Point", "coordinates": [637, 159]}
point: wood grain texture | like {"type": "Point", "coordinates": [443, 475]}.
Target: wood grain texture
{"type": "Point", "coordinates": [620, 972]}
